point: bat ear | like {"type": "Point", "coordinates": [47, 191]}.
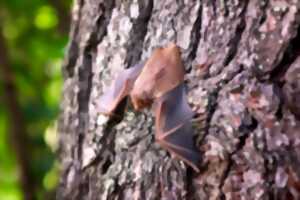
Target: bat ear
{"type": "Point", "coordinates": [120, 88]}
{"type": "Point", "coordinates": [173, 126]}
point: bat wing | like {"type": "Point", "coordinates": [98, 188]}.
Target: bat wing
{"type": "Point", "coordinates": [173, 126]}
{"type": "Point", "coordinates": [174, 109]}
{"type": "Point", "coordinates": [121, 88]}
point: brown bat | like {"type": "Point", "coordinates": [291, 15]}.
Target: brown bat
{"type": "Point", "coordinates": [159, 81]}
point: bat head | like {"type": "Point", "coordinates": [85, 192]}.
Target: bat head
{"type": "Point", "coordinates": [162, 72]}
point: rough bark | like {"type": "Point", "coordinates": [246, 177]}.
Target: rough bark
{"type": "Point", "coordinates": [242, 71]}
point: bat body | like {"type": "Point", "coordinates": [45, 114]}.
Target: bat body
{"type": "Point", "coordinates": [159, 82]}
{"type": "Point", "coordinates": [162, 72]}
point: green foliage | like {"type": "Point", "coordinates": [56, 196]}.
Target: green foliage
{"type": "Point", "coordinates": [45, 18]}
{"type": "Point", "coordinates": [36, 46]}
{"type": "Point", "coordinates": [8, 172]}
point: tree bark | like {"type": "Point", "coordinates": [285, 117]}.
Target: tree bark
{"type": "Point", "coordinates": [242, 73]}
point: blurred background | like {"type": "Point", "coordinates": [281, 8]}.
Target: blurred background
{"type": "Point", "coordinates": [33, 38]}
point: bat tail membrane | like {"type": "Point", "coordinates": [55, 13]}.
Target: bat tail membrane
{"type": "Point", "coordinates": [174, 126]}
{"type": "Point", "coordinates": [121, 88]}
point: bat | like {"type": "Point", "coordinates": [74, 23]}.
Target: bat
{"type": "Point", "coordinates": [159, 82]}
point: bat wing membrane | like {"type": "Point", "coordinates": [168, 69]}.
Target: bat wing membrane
{"type": "Point", "coordinates": [174, 109]}
{"type": "Point", "coordinates": [173, 126]}
{"type": "Point", "coordinates": [121, 88]}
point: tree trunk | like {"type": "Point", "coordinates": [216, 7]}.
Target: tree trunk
{"type": "Point", "coordinates": [242, 73]}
